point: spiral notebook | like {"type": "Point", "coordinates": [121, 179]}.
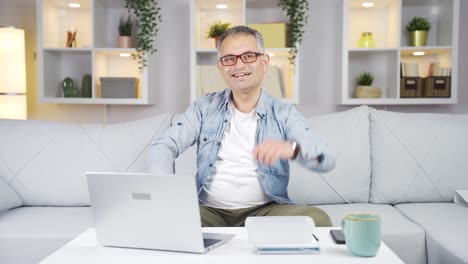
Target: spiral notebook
{"type": "Point", "coordinates": [308, 248]}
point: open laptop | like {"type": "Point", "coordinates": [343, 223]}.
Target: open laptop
{"type": "Point", "coordinates": [151, 211]}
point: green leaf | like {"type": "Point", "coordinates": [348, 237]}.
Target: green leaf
{"type": "Point", "coordinates": [148, 16]}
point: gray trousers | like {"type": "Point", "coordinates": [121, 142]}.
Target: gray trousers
{"type": "Point", "coordinates": [235, 218]}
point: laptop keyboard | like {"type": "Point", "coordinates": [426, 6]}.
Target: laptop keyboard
{"type": "Point", "coordinates": [209, 242]}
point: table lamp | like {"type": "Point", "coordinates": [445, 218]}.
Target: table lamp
{"type": "Point", "coordinates": [13, 103]}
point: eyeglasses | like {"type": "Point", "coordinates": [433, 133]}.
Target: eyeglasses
{"type": "Point", "coordinates": [248, 57]}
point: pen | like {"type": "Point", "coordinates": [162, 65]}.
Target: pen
{"type": "Point", "coordinates": [316, 238]}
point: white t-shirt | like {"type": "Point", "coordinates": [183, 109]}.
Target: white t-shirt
{"type": "Point", "coordinates": [234, 182]}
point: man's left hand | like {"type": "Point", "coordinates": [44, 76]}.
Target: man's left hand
{"type": "Point", "coordinates": [270, 151]}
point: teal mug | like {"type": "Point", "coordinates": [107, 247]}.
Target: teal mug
{"type": "Point", "coordinates": [362, 233]}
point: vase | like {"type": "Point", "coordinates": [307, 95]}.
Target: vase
{"type": "Point", "coordinates": [418, 38]}
{"type": "Point", "coordinates": [124, 42]}
{"type": "Point", "coordinates": [366, 40]}
{"type": "Point", "coordinates": [86, 86]}
{"type": "Point", "coordinates": [216, 41]}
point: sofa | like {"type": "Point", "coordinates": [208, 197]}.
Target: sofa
{"type": "Point", "coordinates": [405, 167]}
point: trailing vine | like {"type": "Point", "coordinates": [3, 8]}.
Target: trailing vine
{"type": "Point", "coordinates": [297, 12]}
{"type": "Point", "coordinates": [148, 16]}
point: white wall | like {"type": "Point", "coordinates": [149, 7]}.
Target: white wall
{"type": "Point", "coordinates": [319, 65]}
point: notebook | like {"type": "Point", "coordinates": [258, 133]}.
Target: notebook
{"type": "Point", "coordinates": [150, 211]}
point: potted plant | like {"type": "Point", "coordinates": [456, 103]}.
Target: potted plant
{"type": "Point", "coordinates": [216, 30]}
{"type": "Point", "coordinates": [418, 27]}
{"type": "Point", "coordinates": [125, 32]}
{"type": "Point", "coordinates": [147, 15]}
{"type": "Point", "coordinates": [297, 12]}
{"type": "Point", "coordinates": [364, 88]}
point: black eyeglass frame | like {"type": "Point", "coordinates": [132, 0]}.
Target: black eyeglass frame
{"type": "Point", "coordinates": [257, 54]}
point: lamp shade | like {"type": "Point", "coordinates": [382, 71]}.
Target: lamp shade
{"type": "Point", "coordinates": [12, 73]}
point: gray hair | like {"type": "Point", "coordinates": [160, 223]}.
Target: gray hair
{"type": "Point", "coordinates": [242, 30]}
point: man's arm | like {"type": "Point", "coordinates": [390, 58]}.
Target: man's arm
{"type": "Point", "coordinates": [314, 152]}
{"type": "Point", "coordinates": [182, 134]}
{"type": "Point", "coordinates": [302, 144]}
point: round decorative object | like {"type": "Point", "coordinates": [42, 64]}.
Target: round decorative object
{"type": "Point", "coordinates": [362, 91]}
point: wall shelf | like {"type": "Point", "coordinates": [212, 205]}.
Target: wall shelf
{"type": "Point", "coordinates": [387, 20]}
{"type": "Point", "coordinates": [281, 81]}
{"type": "Point", "coordinates": [96, 52]}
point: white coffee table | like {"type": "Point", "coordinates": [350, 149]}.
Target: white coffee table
{"type": "Point", "coordinates": [84, 249]}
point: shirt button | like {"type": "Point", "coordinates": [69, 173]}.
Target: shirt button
{"type": "Point", "coordinates": [219, 143]}
{"type": "Point", "coordinates": [211, 165]}
{"type": "Point", "coordinates": [179, 123]}
{"type": "Point", "coordinates": [225, 120]}
{"type": "Point", "coordinates": [205, 139]}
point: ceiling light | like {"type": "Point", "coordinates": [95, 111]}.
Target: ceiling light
{"type": "Point", "coordinates": [125, 55]}
{"type": "Point", "coordinates": [74, 5]}
{"type": "Point", "coordinates": [419, 53]}
{"type": "Point", "coordinates": [221, 6]}
{"type": "Point", "coordinates": [367, 4]}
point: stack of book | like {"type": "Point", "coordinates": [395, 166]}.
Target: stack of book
{"type": "Point", "coordinates": [424, 70]}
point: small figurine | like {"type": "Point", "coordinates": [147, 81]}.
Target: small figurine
{"type": "Point", "coordinates": [68, 88]}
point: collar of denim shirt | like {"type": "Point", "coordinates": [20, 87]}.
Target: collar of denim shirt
{"type": "Point", "coordinates": [261, 104]}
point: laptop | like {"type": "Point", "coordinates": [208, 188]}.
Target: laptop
{"type": "Point", "coordinates": [149, 211]}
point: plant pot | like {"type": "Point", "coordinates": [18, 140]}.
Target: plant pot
{"type": "Point", "coordinates": [216, 42]}
{"type": "Point", "coordinates": [364, 91]}
{"type": "Point", "coordinates": [124, 42]}
{"type": "Point", "coordinates": [418, 38]}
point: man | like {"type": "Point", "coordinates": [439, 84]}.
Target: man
{"type": "Point", "coordinates": [244, 138]}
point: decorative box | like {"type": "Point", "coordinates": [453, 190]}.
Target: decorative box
{"type": "Point", "coordinates": [119, 87]}
{"type": "Point", "coordinates": [274, 34]}
{"type": "Point", "coordinates": [437, 86]}
{"type": "Point", "coordinates": [411, 87]}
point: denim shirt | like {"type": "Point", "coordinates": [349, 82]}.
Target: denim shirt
{"type": "Point", "coordinates": [204, 122]}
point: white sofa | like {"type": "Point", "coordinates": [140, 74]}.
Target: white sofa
{"type": "Point", "coordinates": [405, 167]}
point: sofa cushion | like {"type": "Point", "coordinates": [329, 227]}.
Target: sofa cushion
{"type": "Point", "coordinates": [8, 198]}
{"type": "Point", "coordinates": [347, 133]}
{"type": "Point", "coordinates": [403, 236]}
{"type": "Point", "coordinates": [48, 160]}
{"type": "Point", "coordinates": [446, 229]}
{"type": "Point", "coordinates": [126, 144]}
{"type": "Point", "coordinates": [39, 231]}
{"type": "Point", "coordinates": [417, 157]}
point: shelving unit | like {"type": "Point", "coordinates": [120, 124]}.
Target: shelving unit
{"type": "Point", "coordinates": [281, 80]}
{"type": "Point", "coordinates": [96, 52]}
{"type": "Point", "coordinates": [387, 20]}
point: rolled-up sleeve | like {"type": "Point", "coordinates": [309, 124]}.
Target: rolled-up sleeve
{"type": "Point", "coordinates": [179, 136]}
{"type": "Point", "coordinates": [315, 153]}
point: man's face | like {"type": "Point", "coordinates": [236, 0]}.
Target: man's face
{"type": "Point", "coordinates": [242, 77]}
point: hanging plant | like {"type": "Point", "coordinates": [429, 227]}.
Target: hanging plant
{"type": "Point", "coordinates": [297, 12]}
{"type": "Point", "coordinates": [148, 17]}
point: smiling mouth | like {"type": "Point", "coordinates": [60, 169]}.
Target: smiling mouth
{"type": "Point", "coordinates": [238, 75]}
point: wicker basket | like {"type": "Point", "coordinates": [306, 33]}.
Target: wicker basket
{"type": "Point", "coordinates": [362, 91]}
